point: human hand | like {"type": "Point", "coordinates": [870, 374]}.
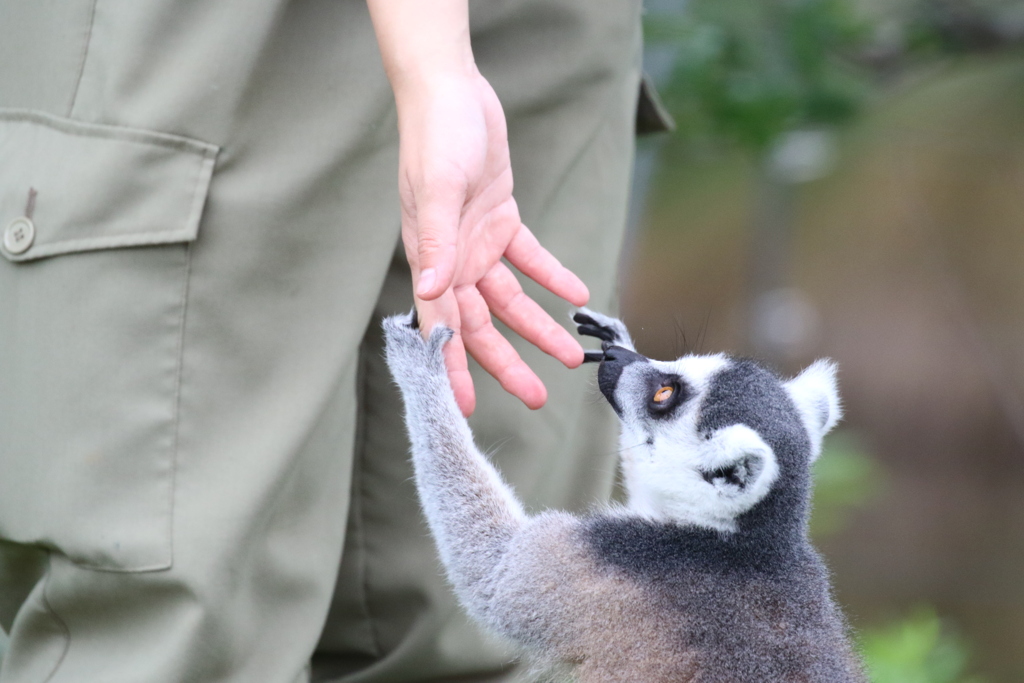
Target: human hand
{"type": "Point", "coordinates": [458, 220]}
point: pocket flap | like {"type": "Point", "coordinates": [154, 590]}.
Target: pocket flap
{"type": "Point", "coordinates": [77, 186]}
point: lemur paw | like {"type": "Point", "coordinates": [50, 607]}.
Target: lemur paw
{"type": "Point", "coordinates": [408, 353]}
{"type": "Point", "coordinates": [609, 330]}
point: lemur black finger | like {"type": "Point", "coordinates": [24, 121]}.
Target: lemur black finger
{"type": "Point", "coordinates": [598, 331]}
{"type": "Point", "coordinates": [583, 319]}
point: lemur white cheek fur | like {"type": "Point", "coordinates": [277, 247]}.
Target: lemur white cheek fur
{"type": "Point", "coordinates": [707, 574]}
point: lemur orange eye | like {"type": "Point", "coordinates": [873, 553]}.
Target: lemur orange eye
{"type": "Point", "coordinates": [663, 394]}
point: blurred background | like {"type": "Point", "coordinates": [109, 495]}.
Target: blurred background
{"type": "Point", "coordinates": [846, 179]}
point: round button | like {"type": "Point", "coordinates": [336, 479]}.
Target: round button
{"type": "Point", "coordinates": [19, 235]}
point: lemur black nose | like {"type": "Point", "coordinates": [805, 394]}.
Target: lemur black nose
{"type": "Point", "coordinates": [615, 359]}
{"type": "Point", "coordinates": [620, 354]}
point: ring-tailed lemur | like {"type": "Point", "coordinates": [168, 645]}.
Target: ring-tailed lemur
{"type": "Point", "coordinates": [706, 575]}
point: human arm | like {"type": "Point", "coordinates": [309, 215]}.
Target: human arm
{"type": "Point", "coordinates": [458, 215]}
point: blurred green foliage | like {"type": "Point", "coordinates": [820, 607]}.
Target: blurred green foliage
{"type": "Point", "coordinates": [845, 477]}
{"type": "Point", "coordinates": [918, 649]}
{"type": "Point", "coordinates": [748, 71]}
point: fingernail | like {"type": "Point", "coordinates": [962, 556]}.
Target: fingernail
{"type": "Point", "coordinates": [427, 279]}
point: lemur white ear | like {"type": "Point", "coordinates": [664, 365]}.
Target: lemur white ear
{"type": "Point", "coordinates": [816, 395]}
{"type": "Point", "coordinates": [740, 465]}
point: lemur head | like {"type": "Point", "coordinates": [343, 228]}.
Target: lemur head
{"type": "Point", "coordinates": [713, 441]}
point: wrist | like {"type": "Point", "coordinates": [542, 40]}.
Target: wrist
{"type": "Point", "coordinates": [423, 83]}
{"type": "Point", "coordinates": [423, 44]}
{"type": "Point", "coordinates": [425, 67]}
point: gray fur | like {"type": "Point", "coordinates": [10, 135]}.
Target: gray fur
{"type": "Point", "coordinates": [653, 592]}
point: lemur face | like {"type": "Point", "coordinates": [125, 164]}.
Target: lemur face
{"type": "Point", "coordinates": [677, 464]}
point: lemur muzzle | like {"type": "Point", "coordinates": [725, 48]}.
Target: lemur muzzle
{"type": "Point", "coordinates": [616, 358]}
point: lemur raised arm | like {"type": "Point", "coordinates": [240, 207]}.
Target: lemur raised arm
{"type": "Point", "coordinates": [705, 575]}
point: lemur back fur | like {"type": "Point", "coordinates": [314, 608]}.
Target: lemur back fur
{"type": "Point", "coordinates": [705, 576]}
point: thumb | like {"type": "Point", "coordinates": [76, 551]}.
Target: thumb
{"type": "Point", "coordinates": [437, 235]}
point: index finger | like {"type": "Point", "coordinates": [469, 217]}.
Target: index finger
{"type": "Point", "coordinates": [537, 263]}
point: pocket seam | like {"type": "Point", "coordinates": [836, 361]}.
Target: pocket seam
{"type": "Point", "coordinates": [105, 131]}
{"type": "Point", "coordinates": [172, 508]}
{"type": "Point", "coordinates": [96, 243]}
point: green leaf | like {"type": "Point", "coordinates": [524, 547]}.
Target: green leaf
{"type": "Point", "coordinates": [918, 649]}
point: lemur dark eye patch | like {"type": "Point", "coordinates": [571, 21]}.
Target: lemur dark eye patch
{"type": "Point", "coordinates": [666, 393]}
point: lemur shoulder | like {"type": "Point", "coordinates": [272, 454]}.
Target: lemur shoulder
{"type": "Point", "coordinates": [705, 575]}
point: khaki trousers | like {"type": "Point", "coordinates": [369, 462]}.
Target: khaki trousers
{"type": "Point", "coordinates": [200, 217]}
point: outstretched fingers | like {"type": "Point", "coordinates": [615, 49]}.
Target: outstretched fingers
{"type": "Point", "coordinates": [494, 353]}
{"type": "Point", "coordinates": [506, 299]}
{"type": "Point", "coordinates": [537, 263]}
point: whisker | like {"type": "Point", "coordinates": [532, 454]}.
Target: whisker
{"type": "Point", "coordinates": [680, 332]}
{"type": "Point", "coordinates": [626, 448]}
{"type": "Point", "coordinates": [703, 335]}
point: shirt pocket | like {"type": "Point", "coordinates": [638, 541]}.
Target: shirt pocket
{"type": "Point", "coordinates": [97, 222]}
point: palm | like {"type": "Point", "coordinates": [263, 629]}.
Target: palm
{"type": "Point", "coordinates": [459, 219]}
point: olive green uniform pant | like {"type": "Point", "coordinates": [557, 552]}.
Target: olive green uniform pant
{"type": "Point", "coordinates": [199, 214]}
